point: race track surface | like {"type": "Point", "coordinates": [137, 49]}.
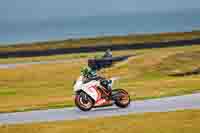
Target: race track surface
{"type": "Point", "coordinates": [24, 64]}
{"type": "Point", "coordinates": [155, 105]}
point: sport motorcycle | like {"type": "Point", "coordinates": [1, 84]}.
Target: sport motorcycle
{"type": "Point", "coordinates": [93, 94]}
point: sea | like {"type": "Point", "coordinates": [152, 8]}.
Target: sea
{"type": "Point", "coordinates": [75, 27]}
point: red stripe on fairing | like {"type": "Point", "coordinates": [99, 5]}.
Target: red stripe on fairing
{"type": "Point", "coordinates": [98, 93]}
{"type": "Point", "coordinates": [96, 89]}
{"type": "Point", "coordinates": [99, 97]}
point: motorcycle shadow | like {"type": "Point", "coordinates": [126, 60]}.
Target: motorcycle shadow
{"type": "Point", "coordinates": [100, 109]}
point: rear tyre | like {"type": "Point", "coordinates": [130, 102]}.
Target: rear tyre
{"type": "Point", "coordinates": [122, 98]}
{"type": "Point", "coordinates": [83, 101]}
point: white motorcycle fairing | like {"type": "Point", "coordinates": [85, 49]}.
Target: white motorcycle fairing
{"type": "Point", "coordinates": [96, 94]}
{"type": "Point", "coordinates": [90, 88]}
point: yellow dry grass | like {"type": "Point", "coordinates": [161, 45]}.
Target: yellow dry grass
{"type": "Point", "coordinates": [170, 122]}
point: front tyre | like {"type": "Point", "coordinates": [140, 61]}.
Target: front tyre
{"type": "Point", "coordinates": [122, 98]}
{"type": "Point", "coordinates": [83, 101]}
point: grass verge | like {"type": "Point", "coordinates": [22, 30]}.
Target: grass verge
{"type": "Point", "coordinates": [169, 122]}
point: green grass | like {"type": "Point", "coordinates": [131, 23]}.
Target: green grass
{"type": "Point", "coordinates": [5, 92]}
{"type": "Point", "coordinates": [169, 122]}
{"type": "Point", "coordinates": [45, 86]}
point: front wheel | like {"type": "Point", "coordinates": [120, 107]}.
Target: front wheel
{"type": "Point", "coordinates": [83, 101]}
{"type": "Point", "coordinates": [121, 98]}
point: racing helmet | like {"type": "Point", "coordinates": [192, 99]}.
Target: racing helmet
{"type": "Point", "coordinates": [88, 72]}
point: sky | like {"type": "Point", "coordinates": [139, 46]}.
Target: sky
{"type": "Point", "coordinates": [40, 9]}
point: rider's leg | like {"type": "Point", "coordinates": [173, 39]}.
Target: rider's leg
{"type": "Point", "coordinates": [107, 84]}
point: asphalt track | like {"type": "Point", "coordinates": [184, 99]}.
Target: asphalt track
{"type": "Point", "coordinates": [191, 101]}
{"type": "Point", "coordinates": [24, 64]}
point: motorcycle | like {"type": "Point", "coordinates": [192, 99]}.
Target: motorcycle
{"type": "Point", "coordinates": [92, 94]}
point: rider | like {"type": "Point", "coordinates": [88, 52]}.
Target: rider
{"type": "Point", "coordinates": [108, 54]}
{"type": "Point", "coordinates": [91, 74]}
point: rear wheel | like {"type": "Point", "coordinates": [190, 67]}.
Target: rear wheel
{"type": "Point", "coordinates": [83, 101]}
{"type": "Point", "coordinates": [121, 98]}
